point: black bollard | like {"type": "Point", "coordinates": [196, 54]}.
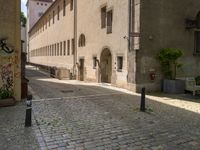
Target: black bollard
{"type": "Point", "coordinates": [28, 119]}
{"type": "Point", "coordinates": [142, 105]}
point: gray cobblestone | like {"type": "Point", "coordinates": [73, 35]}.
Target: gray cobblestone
{"type": "Point", "coordinates": [111, 121]}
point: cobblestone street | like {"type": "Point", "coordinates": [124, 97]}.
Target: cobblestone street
{"type": "Point", "coordinates": [77, 116]}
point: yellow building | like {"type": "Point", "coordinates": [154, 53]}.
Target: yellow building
{"type": "Point", "coordinates": [10, 48]}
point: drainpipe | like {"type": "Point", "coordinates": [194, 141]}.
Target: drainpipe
{"type": "Point", "coordinates": [129, 25]}
{"type": "Point", "coordinates": [75, 38]}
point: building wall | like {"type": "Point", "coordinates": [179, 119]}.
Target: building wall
{"type": "Point", "coordinates": [10, 64]}
{"type": "Point", "coordinates": [36, 9]}
{"type": "Point", "coordinates": [163, 26]}
{"type": "Point", "coordinates": [42, 36]}
{"type": "Point", "coordinates": [89, 24]}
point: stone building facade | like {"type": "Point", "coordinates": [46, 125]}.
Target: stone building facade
{"type": "Point", "coordinates": [10, 63]}
{"type": "Point", "coordinates": [115, 41]}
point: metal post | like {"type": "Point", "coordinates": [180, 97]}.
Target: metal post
{"type": "Point", "coordinates": [28, 119]}
{"type": "Point", "coordinates": [142, 105]}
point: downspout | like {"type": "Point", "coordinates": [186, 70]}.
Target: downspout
{"type": "Point", "coordinates": [129, 28]}
{"type": "Point", "coordinates": [75, 38]}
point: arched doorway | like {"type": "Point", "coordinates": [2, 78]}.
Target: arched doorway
{"type": "Point", "coordinates": [106, 66]}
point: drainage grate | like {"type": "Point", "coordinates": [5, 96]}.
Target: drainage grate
{"type": "Point", "coordinates": [67, 91]}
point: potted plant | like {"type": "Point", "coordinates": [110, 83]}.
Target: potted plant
{"type": "Point", "coordinates": [168, 58]}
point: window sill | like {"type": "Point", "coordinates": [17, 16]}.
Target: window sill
{"type": "Point", "coordinates": [119, 70]}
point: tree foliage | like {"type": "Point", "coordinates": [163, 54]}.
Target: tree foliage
{"type": "Point", "coordinates": [168, 58]}
{"type": "Point", "coordinates": [23, 19]}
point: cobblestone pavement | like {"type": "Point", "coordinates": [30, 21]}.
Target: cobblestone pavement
{"type": "Point", "coordinates": [13, 134]}
{"type": "Point", "coordinates": [91, 118]}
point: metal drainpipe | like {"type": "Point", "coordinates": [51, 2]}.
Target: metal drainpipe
{"type": "Point", "coordinates": [75, 37]}
{"type": "Point", "coordinates": [129, 27]}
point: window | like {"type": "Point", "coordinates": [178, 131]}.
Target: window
{"type": "Point", "coordinates": [109, 21]}
{"type": "Point", "coordinates": [119, 63]}
{"type": "Point", "coordinates": [58, 15]}
{"type": "Point", "coordinates": [64, 7]}
{"type": "Point", "coordinates": [52, 47]}
{"type": "Point", "coordinates": [73, 46]}
{"type": "Point", "coordinates": [197, 42]}
{"type": "Point", "coordinates": [94, 62]}
{"type": "Point", "coordinates": [71, 5]}
{"type": "Point", "coordinates": [68, 47]}
{"type": "Point", "coordinates": [103, 17]}
{"type": "Point", "coordinates": [61, 49]}
{"type": "Point", "coordinates": [40, 14]}
{"type": "Point", "coordinates": [64, 48]}
{"type": "Point", "coordinates": [49, 20]}
{"type": "Point", "coordinates": [53, 17]}
{"type": "Point", "coordinates": [81, 42]}
{"type": "Point", "coordinates": [57, 49]}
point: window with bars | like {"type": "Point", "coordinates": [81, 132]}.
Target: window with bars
{"type": "Point", "coordinates": [71, 5]}
{"type": "Point", "coordinates": [103, 17]}
{"type": "Point", "coordinates": [58, 15]}
{"type": "Point", "coordinates": [64, 48]}
{"type": "Point", "coordinates": [109, 21]}
{"type": "Point", "coordinates": [73, 46]}
{"type": "Point", "coordinates": [53, 17]}
{"type": "Point", "coordinates": [82, 40]}
{"type": "Point", "coordinates": [68, 47]}
{"type": "Point", "coordinates": [61, 49]}
{"type": "Point", "coordinates": [64, 7]}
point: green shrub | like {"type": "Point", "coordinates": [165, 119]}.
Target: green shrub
{"type": "Point", "coordinates": [5, 94]}
{"type": "Point", "coordinates": [168, 58]}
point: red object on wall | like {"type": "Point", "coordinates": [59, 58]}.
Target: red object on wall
{"type": "Point", "coordinates": [152, 76]}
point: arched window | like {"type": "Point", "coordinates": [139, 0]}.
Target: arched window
{"type": "Point", "coordinates": [81, 42]}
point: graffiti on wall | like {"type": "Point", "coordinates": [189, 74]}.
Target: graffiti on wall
{"type": "Point", "coordinates": [4, 47]}
{"type": "Point", "coordinates": [6, 89]}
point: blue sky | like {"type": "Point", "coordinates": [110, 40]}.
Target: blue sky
{"type": "Point", "coordinates": [23, 6]}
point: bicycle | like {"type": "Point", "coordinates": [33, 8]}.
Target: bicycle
{"type": "Point", "coordinates": [4, 47]}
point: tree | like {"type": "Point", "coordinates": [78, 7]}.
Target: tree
{"type": "Point", "coordinates": [23, 19]}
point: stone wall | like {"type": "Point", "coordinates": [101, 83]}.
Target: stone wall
{"type": "Point", "coordinates": [163, 26]}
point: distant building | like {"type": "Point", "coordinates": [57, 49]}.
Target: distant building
{"type": "Point", "coordinates": [115, 41]}
{"type": "Point", "coordinates": [10, 62]}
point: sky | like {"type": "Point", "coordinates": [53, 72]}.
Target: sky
{"type": "Point", "coordinates": [23, 6]}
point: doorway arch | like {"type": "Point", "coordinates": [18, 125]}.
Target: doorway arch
{"type": "Point", "coordinates": [106, 65]}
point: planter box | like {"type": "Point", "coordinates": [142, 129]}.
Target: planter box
{"type": "Point", "coordinates": [7, 102]}
{"type": "Point", "coordinates": [174, 86]}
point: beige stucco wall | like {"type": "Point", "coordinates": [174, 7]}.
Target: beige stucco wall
{"type": "Point", "coordinates": [61, 30]}
{"type": "Point", "coordinates": [88, 23]}
{"type": "Point", "coordinates": [10, 29]}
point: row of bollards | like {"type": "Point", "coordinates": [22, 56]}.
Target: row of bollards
{"type": "Point", "coordinates": [28, 118]}
{"type": "Point", "coordinates": [142, 104]}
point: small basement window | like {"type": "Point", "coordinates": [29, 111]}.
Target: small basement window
{"type": "Point", "coordinates": [119, 63]}
{"type": "Point", "coordinates": [94, 62]}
